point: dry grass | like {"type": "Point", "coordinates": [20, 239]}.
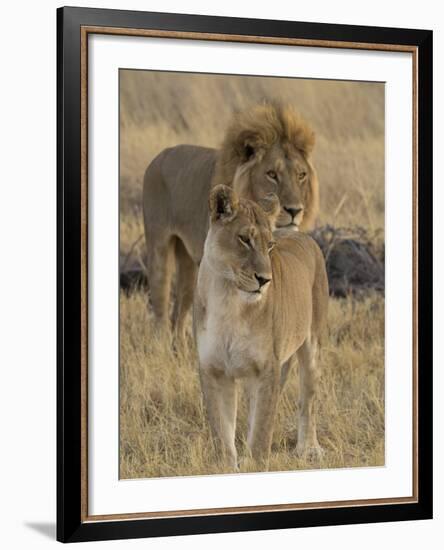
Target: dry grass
{"type": "Point", "coordinates": [162, 421]}
{"type": "Point", "coordinates": [163, 431]}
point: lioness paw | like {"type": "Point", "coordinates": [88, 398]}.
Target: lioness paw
{"type": "Point", "coordinates": [310, 452]}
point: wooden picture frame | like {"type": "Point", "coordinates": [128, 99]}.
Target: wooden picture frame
{"type": "Point", "coordinates": [74, 26]}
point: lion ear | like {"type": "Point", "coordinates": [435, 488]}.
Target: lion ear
{"type": "Point", "coordinates": [271, 205]}
{"type": "Point", "coordinates": [223, 203]}
{"type": "Point", "coordinates": [249, 151]}
{"type": "Point", "coordinates": [249, 146]}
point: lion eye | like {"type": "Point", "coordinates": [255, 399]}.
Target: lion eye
{"type": "Point", "coordinates": [245, 241]}
{"type": "Point", "coordinates": [271, 246]}
{"type": "Point", "coordinates": [272, 174]}
{"type": "Point", "coordinates": [302, 175]}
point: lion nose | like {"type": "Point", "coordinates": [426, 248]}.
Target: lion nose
{"type": "Point", "coordinates": [262, 280]}
{"type": "Point", "coordinates": [293, 211]}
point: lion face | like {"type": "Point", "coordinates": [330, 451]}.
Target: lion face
{"type": "Point", "coordinates": [284, 172]}
{"type": "Point", "coordinates": [271, 145]}
{"type": "Point", "coordinates": [240, 240]}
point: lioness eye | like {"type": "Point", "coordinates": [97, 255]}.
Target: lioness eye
{"type": "Point", "coordinates": [272, 174]}
{"type": "Point", "coordinates": [245, 240]}
{"type": "Point", "coordinates": [271, 246]}
{"type": "Point", "coordinates": [302, 175]}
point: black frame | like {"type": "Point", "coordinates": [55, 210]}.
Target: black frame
{"type": "Point", "coordinates": [70, 527]}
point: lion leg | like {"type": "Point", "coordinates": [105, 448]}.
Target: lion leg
{"type": "Point", "coordinates": [186, 272]}
{"type": "Point", "coordinates": [160, 267]}
{"type": "Point", "coordinates": [264, 395]}
{"type": "Point", "coordinates": [309, 374]}
{"type": "Point", "coordinates": [286, 368]}
{"type": "Point", "coordinates": [220, 398]}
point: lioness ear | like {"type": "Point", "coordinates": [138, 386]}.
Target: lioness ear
{"type": "Point", "coordinates": [271, 205]}
{"type": "Point", "coordinates": [223, 203]}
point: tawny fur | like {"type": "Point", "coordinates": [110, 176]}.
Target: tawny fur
{"type": "Point", "coordinates": [264, 139]}
{"type": "Point", "coordinates": [261, 127]}
{"type": "Point", "coordinates": [251, 332]}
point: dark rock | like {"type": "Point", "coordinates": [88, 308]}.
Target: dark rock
{"type": "Point", "coordinates": [354, 260]}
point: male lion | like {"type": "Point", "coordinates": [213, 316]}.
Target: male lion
{"type": "Point", "coordinates": [261, 301]}
{"type": "Point", "coordinates": [273, 143]}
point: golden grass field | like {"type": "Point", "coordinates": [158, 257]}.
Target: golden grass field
{"type": "Point", "coordinates": [163, 430]}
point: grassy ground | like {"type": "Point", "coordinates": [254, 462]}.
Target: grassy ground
{"type": "Point", "coordinates": [163, 426]}
{"type": "Point", "coordinates": [163, 431]}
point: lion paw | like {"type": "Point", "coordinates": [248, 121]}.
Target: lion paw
{"type": "Point", "coordinates": [310, 452]}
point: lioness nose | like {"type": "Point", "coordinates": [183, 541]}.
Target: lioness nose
{"type": "Point", "coordinates": [262, 280]}
{"type": "Point", "coordinates": [293, 211]}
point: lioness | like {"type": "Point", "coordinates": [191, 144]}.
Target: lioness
{"type": "Point", "coordinates": [261, 299]}
{"type": "Point", "coordinates": [274, 145]}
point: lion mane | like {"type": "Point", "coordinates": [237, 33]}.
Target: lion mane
{"type": "Point", "coordinates": [255, 131]}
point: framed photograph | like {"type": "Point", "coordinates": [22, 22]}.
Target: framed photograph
{"type": "Point", "coordinates": [244, 274]}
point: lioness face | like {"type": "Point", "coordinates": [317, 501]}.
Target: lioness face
{"type": "Point", "coordinates": [240, 240]}
{"type": "Point", "coordinates": [285, 172]}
